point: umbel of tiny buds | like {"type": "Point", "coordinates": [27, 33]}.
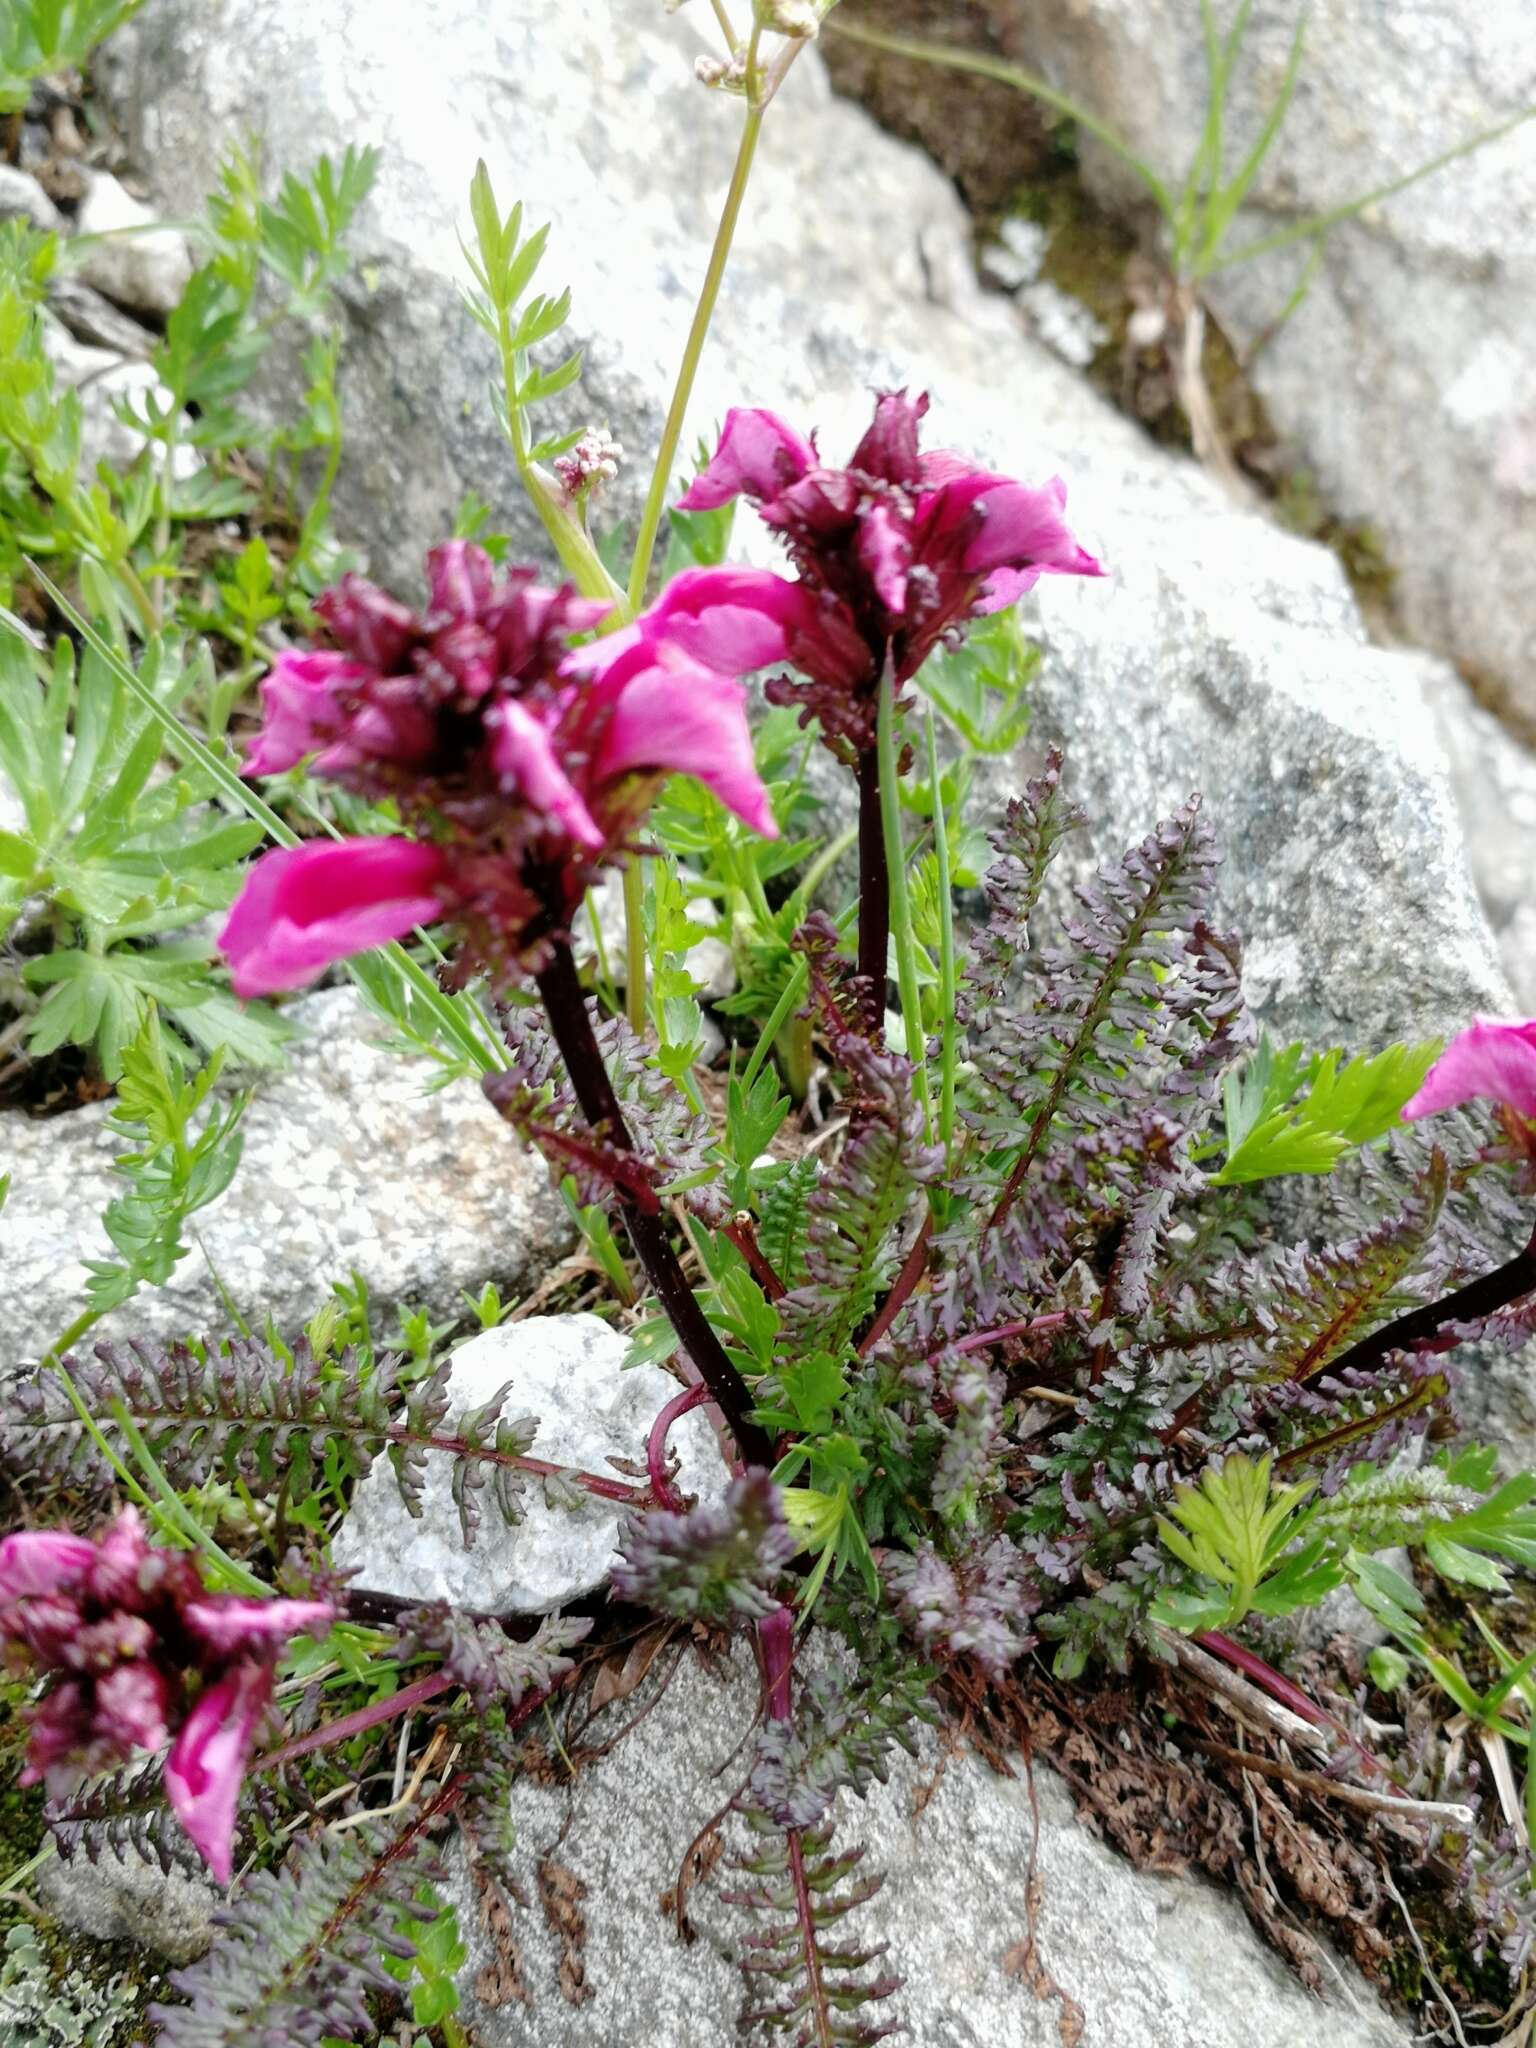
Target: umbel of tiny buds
{"type": "Point", "coordinates": [520, 769]}
{"type": "Point", "coordinates": [135, 1652]}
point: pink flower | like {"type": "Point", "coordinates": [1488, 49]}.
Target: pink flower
{"type": "Point", "coordinates": [522, 765]}
{"type": "Point", "coordinates": [206, 1766]}
{"type": "Point", "coordinates": [758, 455]}
{"type": "Point", "coordinates": [893, 554]}
{"type": "Point", "coordinates": [42, 1561]}
{"type": "Point", "coordinates": [304, 907]}
{"type": "Point", "coordinates": [132, 1649]}
{"type": "Point", "coordinates": [657, 712]}
{"type": "Point", "coordinates": [1494, 1057]}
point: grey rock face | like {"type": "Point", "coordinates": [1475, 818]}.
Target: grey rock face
{"type": "Point", "coordinates": [1321, 769]}
{"type": "Point", "coordinates": [1154, 1962]}
{"type": "Point", "coordinates": [567, 1371]}
{"type": "Point", "coordinates": [132, 1899]}
{"type": "Point", "coordinates": [1408, 374]}
{"type": "Point", "coordinates": [1494, 778]}
{"type": "Point", "coordinates": [136, 263]}
{"type": "Point", "coordinates": [349, 1166]}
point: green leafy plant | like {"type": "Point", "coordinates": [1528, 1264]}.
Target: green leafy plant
{"type": "Point", "coordinates": [1288, 1111]}
{"type": "Point", "coordinates": [114, 857]}
{"type": "Point", "coordinates": [41, 37]}
{"type": "Point", "coordinates": [1248, 1542]}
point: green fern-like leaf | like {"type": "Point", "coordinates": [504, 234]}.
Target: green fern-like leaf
{"type": "Point", "coordinates": [1343, 1103]}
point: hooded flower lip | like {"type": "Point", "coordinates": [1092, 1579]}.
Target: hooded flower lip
{"type": "Point", "coordinates": [1493, 1058]}
{"type": "Point", "coordinates": [893, 553]}
{"type": "Point", "coordinates": [204, 1770]}
{"type": "Point", "coordinates": [304, 907]}
{"type": "Point", "coordinates": [671, 715]}
{"type": "Point", "coordinates": [134, 1651]}
{"type": "Point", "coordinates": [757, 456]}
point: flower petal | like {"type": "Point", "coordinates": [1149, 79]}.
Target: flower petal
{"type": "Point", "coordinates": [230, 1623]}
{"type": "Point", "coordinates": [757, 456]}
{"type": "Point", "coordinates": [303, 705]}
{"type": "Point", "coordinates": [1020, 528]}
{"type": "Point", "coordinates": [461, 579]}
{"type": "Point", "coordinates": [42, 1561]}
{"type": "Point", "coordinates": [370, 624]}
{"type": "Point", "coordinates": [1494, 1057]}
{"type": "Point", "coordinates": [730, 620]}
{"type": "Point", "coordinates": [523, 755]}
{"type": "Point", "coordinates": [303, 907]}
{"type": "Point", "coordinates": [677, 718]}
{"type": "Point", "coordinates": [885, 553]}
{"type": "Point", "coordinates": [208, 1759]}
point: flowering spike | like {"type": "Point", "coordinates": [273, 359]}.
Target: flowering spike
{"type": "Point", "coordinates": [134, 1650]}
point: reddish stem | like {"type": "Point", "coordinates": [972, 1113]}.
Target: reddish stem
{"type": "Point", "coordinates": [741, 1233]}
{"type": "Point", "coordinates": [590, 1482]}
{"type": "Point", "coordinates": [776, 1654]}
{"type": "Point", "coordinates": [1279, 1687]}
{"type": "Point", "coordinates": [874, 892]}
{"type": "Point", "coordinates": [566, 1007]}
{"type": "Point", "coordinates": [656, 1443]}
{"type": "Point", "coordinates": [913, 1268]}
{"type": "Point", "coordinates": [1265, 1676]}
{"type": "Point", "coordinates": [405, 1701]}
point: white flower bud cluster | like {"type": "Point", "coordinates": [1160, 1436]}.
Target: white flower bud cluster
{"type": "Point", "coordinates": [593, 462]}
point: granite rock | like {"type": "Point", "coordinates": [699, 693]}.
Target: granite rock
{"type": "Point", "coordinates": [130, 1898]}
{"type": "Point", "coordinates": [21, 197]}
{"type": "Point", "coordinates": [350, 1167]}
{"type": "Point", "coordinates": [140, 265]}
{"type": "Point", "coordinates": [1154, 1962]}
{"type": "Point", "coordinates": [569, 1372]}
{"type": "Point", "coordinates": [1407, 375]}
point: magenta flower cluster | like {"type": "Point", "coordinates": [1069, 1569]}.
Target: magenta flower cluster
{"type": "Point", "coordinates": [136, 1653]}
{"type": "Point", "coordinates": [892, 554]}
{"type": "Point", "coordinates": [520, 765]}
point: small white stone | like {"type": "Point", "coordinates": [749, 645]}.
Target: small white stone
{"type": "Point", "coordinates": [1014, 259]}
{"type": "Point", "coordinates": [101, 377]}
{"type": "Point", "coordinates": [22, 196]}
{"type": "Point", "coordinates": [569, 1372]}
{"type": "Point", "coordinates": [146, 269]}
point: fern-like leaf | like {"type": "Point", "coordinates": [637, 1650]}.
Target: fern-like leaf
{"type": "Point", "coordinates": [801, 1984]}
{"type": "Point", "coordinates": [300, 1950]}
{"type": "Point", "coordinates": [243, 1409]}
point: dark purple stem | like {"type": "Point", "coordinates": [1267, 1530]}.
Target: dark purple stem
{"type": "Point", "coordinates": [1433, 1328]}
{"type": "Point", "coordinates": [874, 889]}
{"type": "Point", "coordinates": [656, 1444]}
{"type": "Point", "coordinates": [566, 1006]}
{"type": "Point", "coordinates": [776, 1648]}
